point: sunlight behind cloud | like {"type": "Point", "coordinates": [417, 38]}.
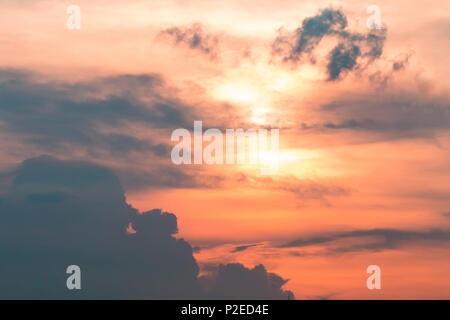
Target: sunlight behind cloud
{"type": "Point", "coordinates": [239, 92]}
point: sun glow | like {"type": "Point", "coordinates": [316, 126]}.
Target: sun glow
{"type": "Point", "coordinates": [286, 161]}
{"type": "Point", "coordinates": [239, 92]}
{"type": "Point", "coordinates": [259, 115]}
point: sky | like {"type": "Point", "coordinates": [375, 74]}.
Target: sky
{"type": "Point", "coordinates": [87, 115]}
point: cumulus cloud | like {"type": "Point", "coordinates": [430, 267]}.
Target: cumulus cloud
{"type": "Point", "coordinates": [59, 213]}
{"type": "Point", "coordinates": [236, 282]}
{"type": "Point", "coordinates": [353, 51]}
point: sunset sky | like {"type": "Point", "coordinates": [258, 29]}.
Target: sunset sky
{"type": "Point", "coordinates": [363, 117]}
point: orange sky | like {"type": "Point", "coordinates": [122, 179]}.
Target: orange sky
{"type": "Point", "coordinates": [356, 153]}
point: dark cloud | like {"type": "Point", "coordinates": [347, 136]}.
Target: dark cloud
{"type": "Point", "coordinates": [236, 282]}
{"type": "Point", "coordinates": [126, 118]}
{"type": "Point", "coordinates": [384, 239]}
{"type": "Point", "coordinates": [390, 113]}
{"type": "Point", "coordinates": [194, 37]}
{"type": "Point", "coordinates": [328, 296]}
{"type": "Point", "coordinates": [5, 181]}
{"type": "Point", "coordinates": [245, 247]}
{"type": "Point", "coordinates": [54, 115]}
{"type": "Point", "coordinates": [59, 213]}
{"type": "Point", "coordinates": [121, 143]}
{"type": "Point", "coordinates": [167, 176]}
{"type": "Point", "coordinates": [343, 57]}
{"type": "Point", "coordinates": [305, 38]}
{"type": "Point", "coordinates": [353, 51]}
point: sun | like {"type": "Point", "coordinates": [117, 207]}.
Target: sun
{"type": "Point", "coordinates": [238, 92]}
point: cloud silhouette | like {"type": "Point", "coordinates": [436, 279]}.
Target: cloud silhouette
{"type": "Point", "coordinates": [353, 51]}
{"type": "Point", "coordinates": [305, 38]}
{"type": "Point", "coordinates": [194, 37]}
{"type": "Point", "coordinates": [236, 282]}
{"type": "Point", "coordinates": [98, 120]}
{"type": "Point", "coordinates": [59, 213]}
{"type": "Point", "coordinates": [53, 114]}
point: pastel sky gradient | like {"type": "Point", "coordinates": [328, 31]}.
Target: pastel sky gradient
{"type": "Point", "coordinates": [364, 153]}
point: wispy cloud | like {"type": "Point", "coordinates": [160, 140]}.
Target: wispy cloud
{"type": "Point", "coordinates": [194, 38]}
{"type": "Point", "coordinates": [383, 239]}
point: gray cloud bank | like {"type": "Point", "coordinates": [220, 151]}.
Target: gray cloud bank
{"type": "Point", "coordinates": [99, 119]}
{"type": "Point", "coordinates": [55, 114]}
{"type": "Point", "coordinates": [59, 213]}
{"type": "Point", "coordinates": [382, 239]}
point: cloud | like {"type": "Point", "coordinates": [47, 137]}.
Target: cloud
{"type": "Point", "coordinates": [122, 143]}
{"type": "Point", "coordinates": [167, 176]}
{"type": "Point", "coordinates": [245, 247]}
{"type": "Point", "coordinates": [305, 38]}
{"type": "Point", "coordinates": [194, 37]}
{"type": "Point", "coordinates": [401, 64]}
{"type": "Point", "coordinates": [383, 239]}
{"type": "Point", "coordinates": [395, 113]}
{"type": "Point", "coordinates": [124, 120]}
{"type": "Point", "coordinates": [52, 114]}
{"type": "Point", "coordinates": [59, 213]}
{"type": "Point", "coordinates": [342, 57]}
{"type": "Point", "coordinates": [328, 296]}
{"type": "Point", "coordinates": [383, 76]}
{"type": "Point", "coordinates": [353, 51]}
{"type": "Point", "coordinates": [303, 189]}
{"type": "Point", "coordinates": [127, 118]}
{"type": "Point", "coordinates": [236, 282]}
{"type": "Point", "coordinates": [354, 124]}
